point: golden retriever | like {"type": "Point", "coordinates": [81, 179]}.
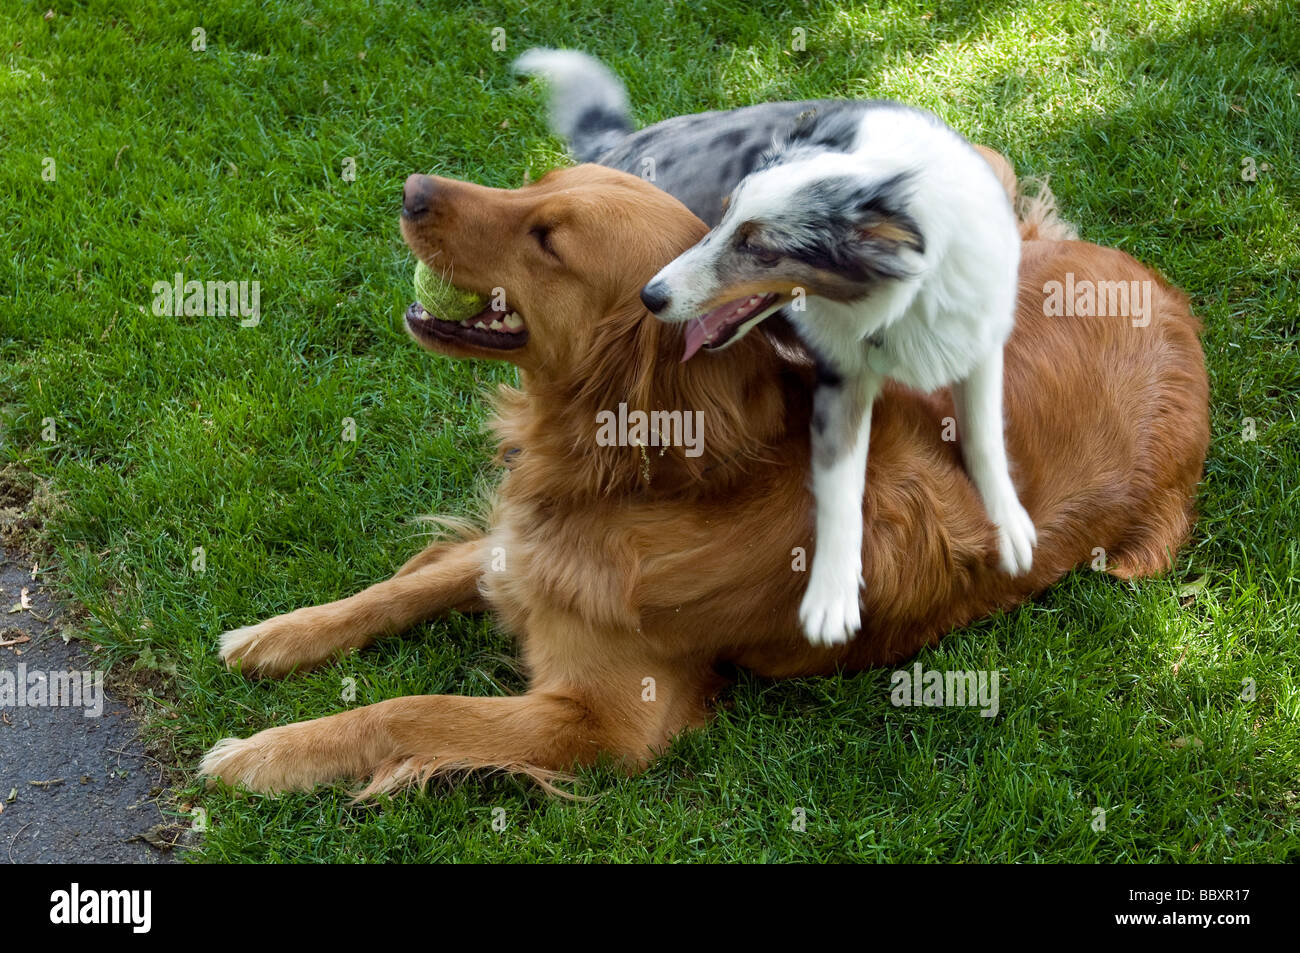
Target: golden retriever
{"type": "Point", "coordinates": [631, 576]}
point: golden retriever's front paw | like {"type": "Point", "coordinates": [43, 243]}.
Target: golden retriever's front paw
{"type": "Point", "coordinates": [270, 762]}
{"type": "Point", "coordinates": [278, 646]}
{"type": "Point", "coordinates": [253, 649]}
{"type": "Point", "coordinates": [234, 761]}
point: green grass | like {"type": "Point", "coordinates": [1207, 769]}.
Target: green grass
{"type": "Point", "coordinates": [174, 433]}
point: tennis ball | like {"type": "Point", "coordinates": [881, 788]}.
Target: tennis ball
{"type": "Point", "coordinates": [443, 300]}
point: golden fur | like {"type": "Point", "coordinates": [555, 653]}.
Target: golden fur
{"type": "Point", "coordinates": [611, 578]}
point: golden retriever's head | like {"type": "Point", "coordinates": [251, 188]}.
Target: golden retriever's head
{"type": "Point", "coordinates": [564, 259]}
{"type": "Point", "coordinates": [549, 258]}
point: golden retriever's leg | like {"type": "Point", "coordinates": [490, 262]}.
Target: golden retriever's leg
{"type": "Point", "coordinates": [444, 576]}
{"type": "Point", "coordinates": [406, 739]}
{"type": "Point", "coordinates": [626, 706]}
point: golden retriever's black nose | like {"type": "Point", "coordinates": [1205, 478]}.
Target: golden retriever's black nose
{"type": "Point", "coordinates": [655, 296]}
{"type": "Point", "coordinates": [417, 195]}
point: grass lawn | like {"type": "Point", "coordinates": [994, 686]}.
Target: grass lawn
{"type": "Point", "coordinates": [173, 433]}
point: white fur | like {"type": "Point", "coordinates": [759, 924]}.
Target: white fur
{"type": "Point", "coordinates": [830, 611]}
{"type": "Point", "coordinates": [944, 325]}
{"type": "Point", "coordinates": [578, 83]}
{"type": "Point", "coordinates": [978, 400]}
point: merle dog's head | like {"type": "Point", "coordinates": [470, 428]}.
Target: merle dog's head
{"type": "Point", "coordinates": [809, 222]}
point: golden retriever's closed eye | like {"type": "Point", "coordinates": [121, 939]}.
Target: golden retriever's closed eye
{"type": "Point", "coordinates": [631, 573]}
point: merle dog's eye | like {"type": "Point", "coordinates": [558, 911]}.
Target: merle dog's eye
{"type": "Point", "coordinates": [764, 256]}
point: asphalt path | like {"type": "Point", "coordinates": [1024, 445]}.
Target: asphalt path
{"type": "Point", "coordinates": [74, 789]}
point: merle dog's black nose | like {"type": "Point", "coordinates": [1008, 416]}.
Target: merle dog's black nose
{"type": "Point", "coordinates": [655, 296]}
{"type": "Point", "coordinates": [417, 194]}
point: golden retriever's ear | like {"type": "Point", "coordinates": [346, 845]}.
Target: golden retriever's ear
{"type": "Point", "coordinates": [611, 371]}
{"type": "Point", "coordinates": [614, 359]}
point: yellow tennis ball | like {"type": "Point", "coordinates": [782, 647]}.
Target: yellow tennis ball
{"type": "Point", "coordinates": [443, 300]}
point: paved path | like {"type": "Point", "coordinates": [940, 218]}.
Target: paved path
{"type": "Point", "coordinates": [104, 798]}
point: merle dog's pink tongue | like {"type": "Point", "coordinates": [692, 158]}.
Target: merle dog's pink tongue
{"type": "Point", "coordinates": [701, 330]}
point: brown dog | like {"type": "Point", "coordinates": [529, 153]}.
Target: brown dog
{"type": "Point", "coordinates": [631, 574]}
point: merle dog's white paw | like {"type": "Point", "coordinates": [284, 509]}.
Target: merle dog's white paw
{"type": "Point", "coordinates": [830, 612]}
{"type": "Point", "coordinates": [1016, 538]}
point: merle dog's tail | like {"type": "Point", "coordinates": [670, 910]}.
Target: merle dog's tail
{"type": "Point", "coordinates": [588, 102]}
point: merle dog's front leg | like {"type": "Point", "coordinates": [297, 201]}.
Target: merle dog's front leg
{"type": "Point", "coordinates": [841, 427]}
{"type": "Point", "coordinates": [978, 401]}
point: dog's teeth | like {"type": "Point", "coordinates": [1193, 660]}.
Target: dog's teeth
{"type": "Point", "coordinates": [753, 300]}
{"type": "Point", "coordinates": [513, 321]}
{"type": "Point", "coordinates": [495, 326]}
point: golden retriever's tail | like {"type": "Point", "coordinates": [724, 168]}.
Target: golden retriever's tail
{"type": "Point", "coordinates": [1039, 217]}
{"type": "Point", "coordinates": [1038, 214]}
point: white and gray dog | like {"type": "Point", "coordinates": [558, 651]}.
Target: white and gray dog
{"type": "Point", "coordinates": [883, 236]}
